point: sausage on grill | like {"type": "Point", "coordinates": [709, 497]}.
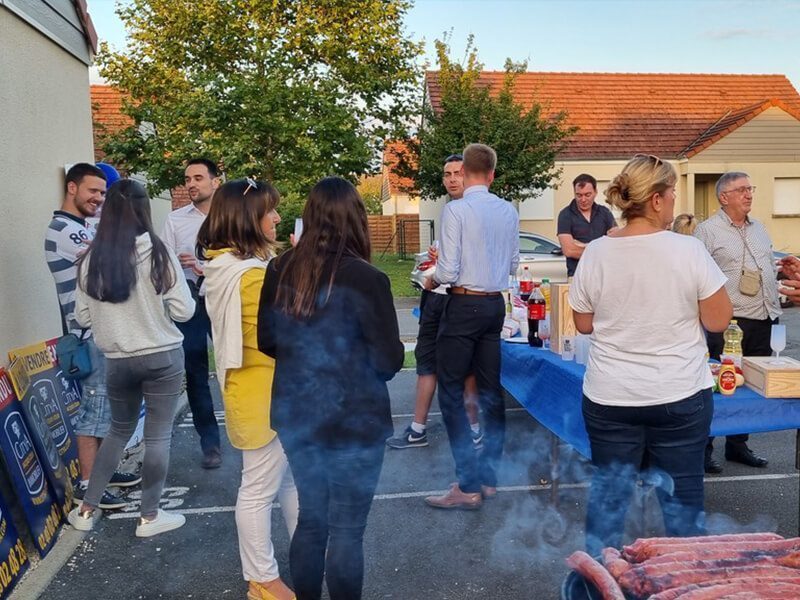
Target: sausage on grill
{"type": "Point", "coordinates": [647, 551]}
{"type": "Point", "coordinates": [639, 583]}
{"type": "Point", "coordinates": [592, 570]}
{"type": "Point", "coordinates": [677, 592]}
{"type": "Point", "coordinates": [614, 562]}
{"type": "Point", "coordinates": [703, 539]}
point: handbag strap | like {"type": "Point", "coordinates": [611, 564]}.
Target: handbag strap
{"type": "Point", "coordinates": [64, 328]}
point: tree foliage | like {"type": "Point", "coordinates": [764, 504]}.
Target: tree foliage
{"type": "Point", "coordinates": [526, 142]}
{"type": "Point", "coordinates": [277, 89]}
{"type": "Point", "coordinates": [371, 190]}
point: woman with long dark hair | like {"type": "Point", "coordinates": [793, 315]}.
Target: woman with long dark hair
{"type": "Point", "coordinates": [327, 317]}
{"type": "Point", "coordinates": [238, 239]}
{"type": "Point", "coordinates": [129, 292]}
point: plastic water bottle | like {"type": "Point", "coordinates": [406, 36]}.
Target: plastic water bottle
{"type": "Point", "coordinates": [733, 344]}
{"type": "Point", "coordinates": [546, 293]}
{"type": "Point", "coordinates": [525, 284]}
{"type": "Point", "coordinates": [536, 313]}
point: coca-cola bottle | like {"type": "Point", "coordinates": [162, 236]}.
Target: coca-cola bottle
{"type": "Point", "coordinates": [537, 311]}
{"type": "Point", "coordinates": [525, 284]}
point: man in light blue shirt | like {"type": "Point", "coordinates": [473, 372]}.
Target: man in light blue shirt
{"type": "Point", "coordinates": [479, 249]}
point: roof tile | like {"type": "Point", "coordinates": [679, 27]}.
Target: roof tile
{"type": "Point", "coordinates": [668, 114]}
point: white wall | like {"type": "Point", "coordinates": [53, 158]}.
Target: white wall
{"type": "Point", "coordinates": [45, 123]}
{"type": "Point", "coordinates": [538, 206]}
{"type": "Point", "coordinates": [160, 206]}
{"type": "Point", "coordinates": [401, 204]}
{"type": "Point", "coordinates": [432, 210]}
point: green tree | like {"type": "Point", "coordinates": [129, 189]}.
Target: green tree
{"type": "Point", "coordinates": [290, 208]}
{"type": "Point", "coordinates": [371, 190]}
{"type": "Point", "coordinates": [281, 90]}
{"type": "Point", "coordinates": [526, 142]}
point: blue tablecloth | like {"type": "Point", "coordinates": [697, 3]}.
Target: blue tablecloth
{"type": "Point", "coordinates": [550, 389]}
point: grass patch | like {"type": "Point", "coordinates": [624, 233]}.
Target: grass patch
{"type": "Point", "coordinates": [410, 361]}
{"type": "Point", "coordinates": [399, 273]}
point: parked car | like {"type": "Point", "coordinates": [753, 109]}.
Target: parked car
{"type": "Point", "coordinates": [541, 255]}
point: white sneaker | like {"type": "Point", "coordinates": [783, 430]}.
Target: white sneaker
{"type": "Point", "coordinates": [164, 521]}
{"type": "Point", "coordinates": [83, 521]}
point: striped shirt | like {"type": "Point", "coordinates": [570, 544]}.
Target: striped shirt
{"type": "Point", "coordinates": [727, 243]}
{"type": "Point", "coordinates": [66, 239]}
{"type": "Point", "coordinates": [479, 248]}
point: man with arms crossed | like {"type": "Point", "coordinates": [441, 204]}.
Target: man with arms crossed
{"type": "Point", "coordinates": [201, 178]}
{"type": "Point", "coordinates": [582, 221]}
{"type": "Point", "coordinates": [737, 242]}
{"type": "Point", "coordinates": [479, 251]}
{"type": "Point", "coordinates": [68, 237]}
{"type": "Point", "coordinates": [430, 307]}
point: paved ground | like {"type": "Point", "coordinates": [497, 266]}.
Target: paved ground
{"type": "Point", "coordinates": [513, 548]}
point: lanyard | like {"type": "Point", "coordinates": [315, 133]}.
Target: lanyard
{"type": "Point", "coordinates": [746, 247]}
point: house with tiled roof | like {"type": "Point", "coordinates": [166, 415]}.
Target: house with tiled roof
{"type": "Point", "coordinates": [108, 118]}
{"type": "Point", "coordinates": [394, 192]}
{"type": "Point", "coordinates": [703, 124]}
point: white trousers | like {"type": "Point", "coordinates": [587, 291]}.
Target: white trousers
{"type": "Point", "coordinates": [265, 476]}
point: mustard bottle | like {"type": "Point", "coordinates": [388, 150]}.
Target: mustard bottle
{"type": "Point", "coordinates": [727, 377]}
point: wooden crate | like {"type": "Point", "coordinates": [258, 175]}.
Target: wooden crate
{"type": "Point", "coordinates": [772, 380]}
{"type": "Point", "coordinates": [561, 323]}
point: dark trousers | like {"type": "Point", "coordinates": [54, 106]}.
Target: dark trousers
{"type": "Point", "coordinates": [195, 348]}
{"type": "Point", "coordinates": [335, 488]}
{"type": "Point", "coordinates": [673, 437]}
{"type": "Point", "coordinates": [469, 342]}
{"type": "Point", "coordinates": [755, 342]}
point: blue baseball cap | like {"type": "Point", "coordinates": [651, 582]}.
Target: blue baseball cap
{"type": "Point", "coordinates": [112, 175]}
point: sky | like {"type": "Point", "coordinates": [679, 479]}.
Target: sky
{"type": "Point", "coordinates": [630, 36]}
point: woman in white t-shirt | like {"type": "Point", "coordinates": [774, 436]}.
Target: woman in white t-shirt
{"type": "Point", "coordinates": [645, 294]}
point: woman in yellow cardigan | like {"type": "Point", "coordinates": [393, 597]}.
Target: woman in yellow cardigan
{"type": "Point", "coordinates": [238, 238]}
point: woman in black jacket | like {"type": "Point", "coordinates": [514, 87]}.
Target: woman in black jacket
{"type": "Point", "coordinates": [328, 319]}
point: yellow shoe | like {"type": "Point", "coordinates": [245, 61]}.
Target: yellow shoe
{"type": "Point", "coordinates": [269, 590]}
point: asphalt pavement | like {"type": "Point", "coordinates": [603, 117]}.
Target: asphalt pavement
{"type": "Point", "coordinates": [513, 548]}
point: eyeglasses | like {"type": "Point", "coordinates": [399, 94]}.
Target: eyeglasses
{"type": "Point", "coordinates": [251, 183]}
{"type": "Point", "coordinates": [742, 190]}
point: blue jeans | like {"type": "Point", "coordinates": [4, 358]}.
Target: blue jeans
{"type": "Point", "coordinates": [94, 414]}
{"type": "Point", "coordinates": [674, 437]}
{"type": "Point", "coordinates": [195, 348]}
{"type": "Point", "coordinates": [335, 489]}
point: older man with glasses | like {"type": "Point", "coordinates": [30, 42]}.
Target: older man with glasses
{"type": "Point", "coordinates": [741, 247]}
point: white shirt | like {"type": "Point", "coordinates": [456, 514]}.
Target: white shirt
{"type": "Point", "coordinates": [479, 248]}
{"type": "Point", "coordinates": [726, 243]}
{"type": "Point", "coordinates": [648, 346]}
{"type": "Point", "coordinates": [180, 232]}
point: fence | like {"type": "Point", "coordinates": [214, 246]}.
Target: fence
{"type": "Point", "coordinates": [414, 235]}
{"type": "Point", "coordinates": [399, 234]}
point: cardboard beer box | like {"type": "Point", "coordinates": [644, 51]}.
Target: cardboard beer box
{"type": "Point", "coordinates": [772, 377]}
{"type": "Point", "coordinates": [561, 323]}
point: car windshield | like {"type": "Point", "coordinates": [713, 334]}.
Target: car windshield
{"type": "Point", "coordinates": [535, 245]}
